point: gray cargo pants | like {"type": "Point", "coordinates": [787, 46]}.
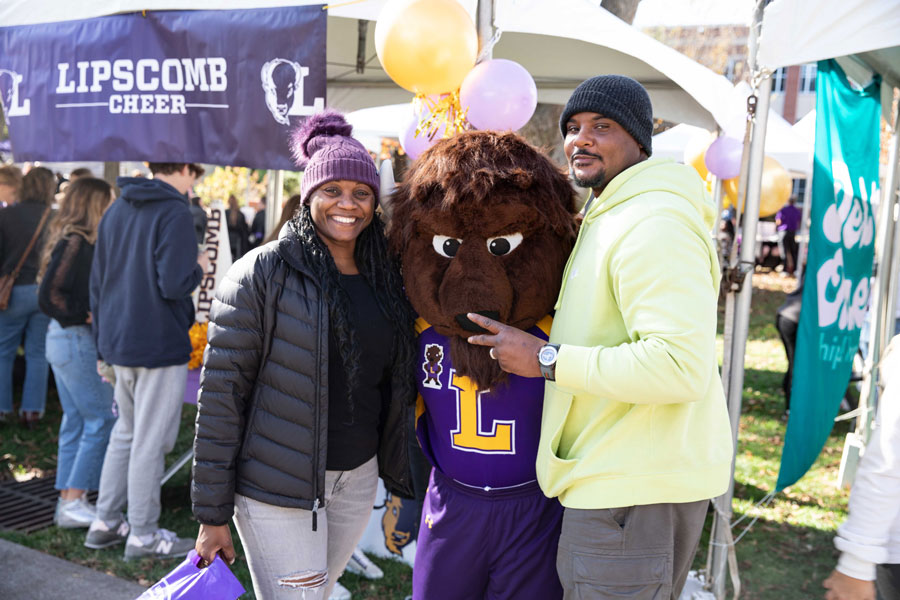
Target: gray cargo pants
{"type": "Point", "coordinates": [637, 552]}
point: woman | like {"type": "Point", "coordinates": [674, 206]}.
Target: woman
{"type": "Point", "coordinates": [308, 382]}
{"type": "Point", "coordinates": [86, 400]}
{"type": "Point", "coordinates": [288, 211]}
{"type": "Point", "coordinates": [18, 224]}
{"type": "Point", "coordinates": [10, 184]}
{"type": "Point", "coordinates": [238, 232]}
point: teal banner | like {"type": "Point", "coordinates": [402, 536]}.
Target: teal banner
{"type": "Point", "coordinates": [841, 248]}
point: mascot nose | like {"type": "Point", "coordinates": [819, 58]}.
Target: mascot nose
{"type": "Point", "coordinates": [468, 325]}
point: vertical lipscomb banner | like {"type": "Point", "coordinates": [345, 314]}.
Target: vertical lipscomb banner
{"type": "Point", "coordinates": [841, 250]}
{"type": "Point", "coordinates": [208, 86]}
{"type": "Point", "coordinates": [218, 249]}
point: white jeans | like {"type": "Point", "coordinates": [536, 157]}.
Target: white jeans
{"type": "Point", "coordinates": [287, 559]}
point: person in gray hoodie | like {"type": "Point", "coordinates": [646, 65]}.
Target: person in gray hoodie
{"type": "Point", "coordinates": [145, 266]}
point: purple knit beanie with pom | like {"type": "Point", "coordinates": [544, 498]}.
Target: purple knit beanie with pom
{"type": "Point", "coordinates": [322, 146]}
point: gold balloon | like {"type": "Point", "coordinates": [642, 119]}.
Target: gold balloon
{"type": "Point", "coordinates": [774, 192]}
{"type": "Point", "coordinates": [776, 187]}
{"type": "Point", "coordinates": [426, 46]}
{"type": "Point", "coordinates": [695, 153]}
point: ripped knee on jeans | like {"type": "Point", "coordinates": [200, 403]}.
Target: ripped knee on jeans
{"type": "Point", "coordinates": [304, 580]}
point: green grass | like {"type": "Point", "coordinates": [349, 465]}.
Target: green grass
{"type": "Point", "coordinates": [786, 554]}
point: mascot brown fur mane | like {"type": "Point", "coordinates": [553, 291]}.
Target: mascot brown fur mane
{"type": "Point", "coordinates": [468, 197]}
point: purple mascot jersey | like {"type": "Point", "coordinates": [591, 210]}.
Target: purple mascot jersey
{"type": "Point", "coordinates": [480, 438]}
{"type": "Point", "coordinates": [484, 515]}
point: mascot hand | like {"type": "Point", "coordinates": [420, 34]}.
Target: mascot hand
{"type": "Point", "coordinates": [515, 350]}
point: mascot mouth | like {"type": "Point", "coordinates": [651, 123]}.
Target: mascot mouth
{"type": "Point", "coordinates": [468, 325]}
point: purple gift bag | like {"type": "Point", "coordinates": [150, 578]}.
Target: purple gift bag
{"type": "Point", "coordinates": [189, 582]}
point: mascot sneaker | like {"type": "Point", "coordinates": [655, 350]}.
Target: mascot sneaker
{"type": "Point", "coordinates": [361, 565]}
{"type": "Point", "coordinates": [340, 593]}
{"type": "Point", "coordinates": [161, 544]}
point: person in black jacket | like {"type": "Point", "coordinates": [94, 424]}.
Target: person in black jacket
{"type": "Point", "coordinates": [238, 232]}
{"type": "Point", "coordinates": [307, 386]}
{"type": "Point", "coordinates": [86, 400]}
{"type": "Point", "coordinates": [258, 227]}
{"type": "Point", "coordinates": [23, 317]}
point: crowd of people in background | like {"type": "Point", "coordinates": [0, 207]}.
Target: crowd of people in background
{"type": "Point", "coordinates": [113, 326]}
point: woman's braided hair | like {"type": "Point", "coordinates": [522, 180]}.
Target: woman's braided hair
{"type": "Point", "coordinates": [381, 271]}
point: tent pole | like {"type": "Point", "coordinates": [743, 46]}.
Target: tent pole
{"type": "Point", "coordinates": [485, 25]}
{"type": "Point", "coordinates": [804, 222]}
{"type": "Point", "coordinates": [718, 201]}
{"type": "Point", "coordinates": [274, 199]}
{"type": "Point", "coordinates": [734, 381]}
{"type": "Point", "coordinates": [892, 266]}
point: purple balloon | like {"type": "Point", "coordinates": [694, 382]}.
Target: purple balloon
{"type": "Point", "coordinates": [415, 145]}
{"type": "Point", "coordinates": [723, 157]}
{"type": "Point", "coordinates": [500, 94]}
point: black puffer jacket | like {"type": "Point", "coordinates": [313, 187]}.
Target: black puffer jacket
{"type": "Point", "coordinates": [263, 409]}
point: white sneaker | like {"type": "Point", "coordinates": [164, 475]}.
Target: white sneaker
{"type": "Point", "coordinates": [361, 565]}
{"type": "Point", "coordinates": [340, 593]}
{"type": "Point", "coordinates": [74, 514]}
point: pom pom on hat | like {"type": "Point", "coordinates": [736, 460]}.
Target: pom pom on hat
{"type": "Point", "coordinates": [322, 146]}
{"type": "Point", "coordinates": [307, 138]}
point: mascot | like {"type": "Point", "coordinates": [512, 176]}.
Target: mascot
{"type": "Point", "coordinates": [483, 223]}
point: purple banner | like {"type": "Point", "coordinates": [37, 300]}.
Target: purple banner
{"type": "Point", "coordinates": [220, 87]}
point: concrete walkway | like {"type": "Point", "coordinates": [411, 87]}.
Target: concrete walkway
{"type": "Point", "coordinates": [32, 575]}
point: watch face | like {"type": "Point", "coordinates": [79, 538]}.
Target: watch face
{"type": "Point", "coordinates": [547, 356]}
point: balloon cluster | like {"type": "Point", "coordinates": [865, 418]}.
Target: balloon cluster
{"type": "Point", "coordinates": [722, 158]}
{"type": "Point", "coordinates": [429, 47]}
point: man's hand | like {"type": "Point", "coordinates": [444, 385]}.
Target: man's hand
{"type": "Point", "coordinates": [100, 369]}
{"type": "Point", "coordinates": [212, 540]}
{"type": "Point", "coordinates": [844, 587]}
{"type": "Point", "coordinates": [515, 350]}
{"type": "Point", "coordinates": [203, 260]}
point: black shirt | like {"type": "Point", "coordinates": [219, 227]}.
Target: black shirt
{"type": "Point", "coordinates": [353, 435]}
{"type": "Point", "coordinates": [64, 294]}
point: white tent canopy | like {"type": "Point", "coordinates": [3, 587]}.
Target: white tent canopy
{"type": "Point", "coordinates": [864, 35]}
{"type": "Point", "coordinates": [796, 32]}
{"type": "Point", "coordinates": [561, 43]}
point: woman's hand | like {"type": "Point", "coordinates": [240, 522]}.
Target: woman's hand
{"type": "Point", "coordinates": [212, 540]}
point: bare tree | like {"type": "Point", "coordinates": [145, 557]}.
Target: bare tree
{"type": "Point", "coordinates": [624, 9]}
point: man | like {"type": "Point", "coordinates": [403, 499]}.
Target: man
{"type": "Point", "coordinates": [787, 222]}
{"type": "Point", "coordinates": [869, 540]}
{"type": "Point", "coordinates": [145, 267]}
{"type": "Point", "coordinates": [635, 437]}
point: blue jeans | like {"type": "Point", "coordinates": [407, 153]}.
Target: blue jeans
{"type": "Point", "coordinates": [87, 406]}
{"type": "Point", "coordinates": [23, 317]}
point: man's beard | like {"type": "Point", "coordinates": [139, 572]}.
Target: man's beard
{"type": "Point", "coordinates": [594, 182]}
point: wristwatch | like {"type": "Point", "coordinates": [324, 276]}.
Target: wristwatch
{"type": "Point", "coordinates": [547, 356]}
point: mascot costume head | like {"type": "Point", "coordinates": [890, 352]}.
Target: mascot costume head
{"type": "Point", "coordinates": [483, 223]}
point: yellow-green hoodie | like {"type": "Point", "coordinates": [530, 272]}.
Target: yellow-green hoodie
{"type": "Point", "coordinates": [637, 414]}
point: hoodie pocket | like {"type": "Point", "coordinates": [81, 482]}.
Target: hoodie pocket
{"type": "Point", "coordinates": [552, 470]}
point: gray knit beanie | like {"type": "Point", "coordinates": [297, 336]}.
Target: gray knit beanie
{"type": "Point", "coordinates": [616, 97]}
